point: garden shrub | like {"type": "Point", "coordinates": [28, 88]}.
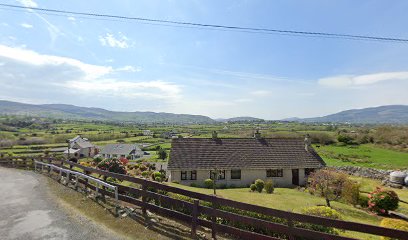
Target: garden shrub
{"type": "Point", "coordinates": [381, 201]}
{"type": "Point", "coordinates": [253, 187]}
{"type": "Point", "coordinates": [395, 224]}
{"type": "Point", "coordinates": [351, 192]}
{"type": "Point", "coordinates": [259, 183]}
{"type": "Point", "coordinates": [157, 174]}
{"type": "Point", "coordinates": [208, 183]}
{"type": "Point", "coordinates": [145, 174]}
{"type": "Point", "coordinates": [193, 185]}
{"type": "Point", "coordinates": [321, 211]}
{"type": "Point", "coordinates": [112, 165]}
{"type": "Point", "coordinates": [363, 201]}
{"type": "Point", "coordinates": [269, 188]}
{"type": "Point", "coordinates": [158, 179]}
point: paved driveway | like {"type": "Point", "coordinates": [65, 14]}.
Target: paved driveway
{"type": "Point", "coordinates": [28, 212]}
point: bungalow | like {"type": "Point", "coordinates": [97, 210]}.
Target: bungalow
{"type": "Point", "coordinates": [80, 147]}
{"type": "Point", "coordinates": [240, 161]}
{"type": "Point", "coordinates": [122, 150]}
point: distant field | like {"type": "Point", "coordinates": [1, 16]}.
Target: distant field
{"type": "Point", "coordinates": [367, 155]}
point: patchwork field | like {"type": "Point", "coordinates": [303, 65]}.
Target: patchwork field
{"type": "Point", "coordinates": [365, 155]}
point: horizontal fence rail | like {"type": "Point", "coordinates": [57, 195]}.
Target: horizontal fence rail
{"type": "Point", "coordinates": [242, 220]}
{"type": "Point", "coordinates": [76, 174]}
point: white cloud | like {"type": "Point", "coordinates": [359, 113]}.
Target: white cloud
{"type": "Point", "coordinates": [28, 3]}
{"type": "Point", "coordinates": [260, 93]}
{"type": "Point", "coordinates": [72, 19]}
{"type": "Point", "coordinates": [25, 72]}
{"type": "Point", "coordinates": [26, 25]}
{"type": "Point", "coordinates": [119, 41]}
{"type": "Point", "coordinates": [129, 69]}
{"type": "Point", "coordinates": [33, 59]}
{"type": "Point", "coordinates": [342, 81]}
{"type": "Point", "coordinates": [120, 88]}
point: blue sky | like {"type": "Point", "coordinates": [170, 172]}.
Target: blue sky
{"type": "Point", "coordinates": [132, 66]}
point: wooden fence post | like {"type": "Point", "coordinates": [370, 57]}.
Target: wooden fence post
{"type": "Point", "coordinates": [144, 199]}
{"type": "Point", "coordinates": [290, 224]}
{"type": "Point", "coordinates": [214, 218]}
{"type": "Point", "coordinates": [49, 168]}
{"type": "Point", "coordinates": [194, 220]}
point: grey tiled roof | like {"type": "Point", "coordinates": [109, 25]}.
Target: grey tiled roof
{"type": "Point", "coordinates": [121, 149]}
{"type": "Point", "coordinates": [242, 153]}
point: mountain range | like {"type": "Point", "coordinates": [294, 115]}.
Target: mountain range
{"type": "Point", "coordinates": [64, 111]}
{"type": "Point", "coordinates": [391, 114]}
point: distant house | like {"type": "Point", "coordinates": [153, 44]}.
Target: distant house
{"type": "Point", "coordinates": [240, 161]}
{"type": "Point", "coordinates": [170, 134]}
{"type": "Point", "coordinates": [147, 133]}
{"type": "Point", "coordinates": [80, 147]}
{"type": "Point", "coordinates": [132, 151]}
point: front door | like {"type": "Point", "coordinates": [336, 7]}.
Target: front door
{"type": "Point", "coordinates": [295, 176]}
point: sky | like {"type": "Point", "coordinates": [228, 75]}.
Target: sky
{"type": "Point", "coordinates": [126, 65]}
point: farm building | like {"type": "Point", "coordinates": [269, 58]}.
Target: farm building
{"type": "Point", "coordinates": [80, 147]}
{"type": "Point", "coordinates": [132, 151]}
{"type": "Point", "coordinates": [240, 161]}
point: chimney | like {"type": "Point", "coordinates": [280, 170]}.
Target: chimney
{"type": "Point", "coordinates": [214, 135]}
{"type": "Point", "coordinates": [307, 142]}
{"type": "Point", "coordinates": [257, 134]}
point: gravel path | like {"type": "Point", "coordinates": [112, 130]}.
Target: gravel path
{"type": "Point", "coordinates": [28, 212]}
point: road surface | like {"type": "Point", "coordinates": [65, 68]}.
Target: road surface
{"type": "Point", "coordinates": [29, 212]}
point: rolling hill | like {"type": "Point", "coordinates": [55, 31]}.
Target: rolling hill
{"type": "Point", "coordinates": [64, 111]}
{"type": "Point", "coordinates": [391, 114]}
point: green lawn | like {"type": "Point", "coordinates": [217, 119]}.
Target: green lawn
{"type": "Point", "coordinates": [294, 200]}
{"type": "Point", "coordinates": [367, 155]}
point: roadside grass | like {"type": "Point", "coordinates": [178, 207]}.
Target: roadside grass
{"type": "Point", "coordinates": [367, 155]}
{"type": "Point", "coordinates": [77, 202]}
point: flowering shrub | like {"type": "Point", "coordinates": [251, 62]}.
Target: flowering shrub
{"type": "Point", "coordinates": [381, 201]}
{"type": "Point", "coordinates": [112, 165]}
{"type": "Point", "coordinates": [124, 161]}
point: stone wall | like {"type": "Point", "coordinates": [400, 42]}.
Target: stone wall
{"type": "Point", "coordinates": [365, 172]}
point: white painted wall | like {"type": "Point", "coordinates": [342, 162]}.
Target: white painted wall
{"type": "Point", "coordinates": [248, 177]}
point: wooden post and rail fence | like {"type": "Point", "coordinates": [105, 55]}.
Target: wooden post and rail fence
{"type": "Point", "coordinates": [238, 219]}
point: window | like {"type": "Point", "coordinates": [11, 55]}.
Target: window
{"type": "Point", "coordinates": [274, 173]}
{"type": "Point", "coordinates": [308, 171]}
{"type": "Point", "coordinates": [183, 175]}
{"type": "Point", "coordinates": [193, 175]}
{"type": "Point", "coordinates": [236, 174]}
{"type": "Point", "coordinates": [221, 174]}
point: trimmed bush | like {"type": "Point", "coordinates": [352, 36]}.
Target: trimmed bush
{"type": "Point", "coordinates": [395, 224]}
{"type": "Point", "coordinates": [259, 183]}
{"type": "Point", "coordinates": [269, 188]}
{"type": "Point", "coordinates": [381, 201]}
{"type": "Point", "coordinates": [193, 185]}
{"type": "Point", "coordinates": [321, 211]}
{"type": "Point", "coordinates": [351, 192]}
{"type": "Point", "coordinates": [208, 183]}
{"type": "Point", "coordinates": [253, 187]}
